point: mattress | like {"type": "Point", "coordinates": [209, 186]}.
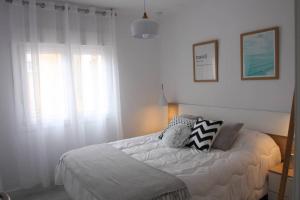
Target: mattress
{"type": "Point", "coordinates": [240, 173]}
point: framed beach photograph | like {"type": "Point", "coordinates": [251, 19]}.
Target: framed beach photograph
{"type": "Point", "coordinates": [260, 54]}
{"type": "Point", "coordinates": [205, 61]}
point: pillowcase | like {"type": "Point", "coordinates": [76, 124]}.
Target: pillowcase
{"type": "Point", "coordinates": [228, 134]}
{"type": "Point", "coordinates": [178, 120]}
{"type": "Point", "coordinates": [177, 136]}
{"type": "Point", "coordinates": [204, 134]}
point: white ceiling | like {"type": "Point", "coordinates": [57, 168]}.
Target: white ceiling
{"type": "Point", "coordinates": [135, 5]}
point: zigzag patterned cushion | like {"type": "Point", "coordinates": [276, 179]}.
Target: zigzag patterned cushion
{"type": "Point", "coordinates": [204, 134]}
{"type": "Point", "coordinates": [178, 120]}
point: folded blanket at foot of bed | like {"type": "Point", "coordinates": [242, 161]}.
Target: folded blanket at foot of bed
{"type": "Point", "coordinates": [113, 175]}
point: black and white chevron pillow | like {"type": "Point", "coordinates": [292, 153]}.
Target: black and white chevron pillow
{"type": "Point", "coordinates": [204, 134]}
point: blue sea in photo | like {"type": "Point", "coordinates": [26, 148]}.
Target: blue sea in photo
{"type": "Point", "coordinates": [259, 57]}
{"type": "Point", "coordinates": [259, 65]}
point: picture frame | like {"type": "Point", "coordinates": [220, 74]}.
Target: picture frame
{"type": "Point", "coordinates": [260, 54]}
{"type": "Point", "coordinates": [205, 61]}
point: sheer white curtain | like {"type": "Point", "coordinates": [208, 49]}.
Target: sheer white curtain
{"type": "Point", "coordinates": [66, 84]}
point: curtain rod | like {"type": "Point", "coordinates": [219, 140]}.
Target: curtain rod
{"type": "Point", "coordinates": [62, 7]}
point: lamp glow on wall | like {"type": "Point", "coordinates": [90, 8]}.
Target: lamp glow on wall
{"type": "Point", "coordinates": [144, 28]}
{"type": "Point", "coordinates": [172, 107]}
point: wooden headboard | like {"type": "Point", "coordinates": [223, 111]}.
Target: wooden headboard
{"type": "Point", "coordinates": [274, 124]}
{"type": "Point", "coordinates": [281, 142]}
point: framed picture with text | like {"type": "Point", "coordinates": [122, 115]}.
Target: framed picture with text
{"type": "Point", "coordinates": [205, 61]}
{"type": "Point", "coordinates": [260, 54]}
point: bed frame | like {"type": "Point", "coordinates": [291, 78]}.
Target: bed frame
{"type": "Point", "coordinates": [272, 123]}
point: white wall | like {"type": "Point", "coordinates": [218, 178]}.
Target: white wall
{"type": "Point", "coordinates": [225, 20]}
{"type": "Point", "coordinates": [139, 80]}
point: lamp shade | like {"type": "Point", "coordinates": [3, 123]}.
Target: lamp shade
{"type": "Point", "coordinates": [162, 99]}
{"type": "Point", "coordinates": [144, 28]}
{"type": "Point", "coordinates": [172, 110]}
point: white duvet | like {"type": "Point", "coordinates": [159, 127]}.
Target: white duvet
{"type": "Point", "coordinates": [237, 174]}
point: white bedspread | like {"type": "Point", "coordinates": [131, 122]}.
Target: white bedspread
{"type": "Point", "coordinates": [237, 174]}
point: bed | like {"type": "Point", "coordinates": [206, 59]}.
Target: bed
{"type": "Point", "coordinates": [240, 173]}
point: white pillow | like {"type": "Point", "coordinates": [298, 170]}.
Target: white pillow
{"type": "Point", "coordinates": [178, 120]}
{"type": "Point", "coordinates": [177, 136]}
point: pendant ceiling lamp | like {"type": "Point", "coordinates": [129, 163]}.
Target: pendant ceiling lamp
{"type": "Point", "coordinates": [144, 28]}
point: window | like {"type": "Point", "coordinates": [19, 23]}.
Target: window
{"type": "Point", "coordinates": [59, 88]}
{"type": "Point", "coordinates": [90, 84]}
